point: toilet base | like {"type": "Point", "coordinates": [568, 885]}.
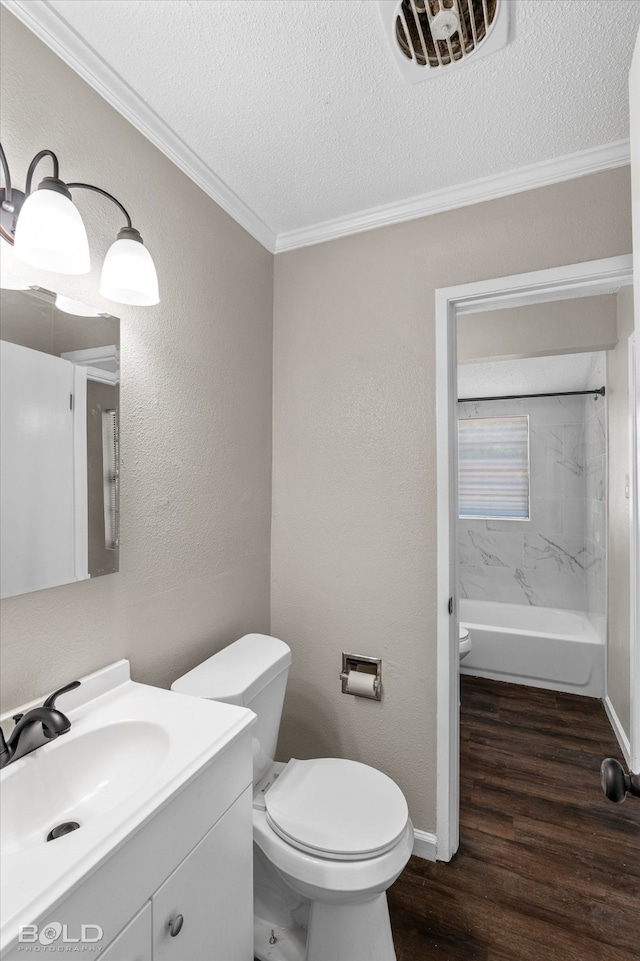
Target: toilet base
{"type": "Point", "coordinates": [354, 932]}
{"type": "Point", "coordinates": [290, 942]}
{"type": "Point", "coordinates": [357, 932]}
{"type": "Point", "coordinates": [288, 928]}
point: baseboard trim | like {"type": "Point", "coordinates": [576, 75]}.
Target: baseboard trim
{"type": "Point", "coordinates": [425, 845]}
{"type": "Point", "coordinates": [618, 729]}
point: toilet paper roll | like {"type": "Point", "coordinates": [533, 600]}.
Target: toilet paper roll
{"type": "Point", "coordinates": [359, 682]}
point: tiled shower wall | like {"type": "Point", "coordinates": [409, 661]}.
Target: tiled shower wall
{"type": "Point", "coordinates": [558, 557]}
{"type": "Point", "coordinates": [595, 521]}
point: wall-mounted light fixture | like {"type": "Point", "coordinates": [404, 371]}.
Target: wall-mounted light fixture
{"type": "Point", "coordinates": [46, 231]}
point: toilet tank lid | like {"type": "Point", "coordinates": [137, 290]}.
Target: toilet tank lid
{"type": "Point", "coordinates": [237, 673]}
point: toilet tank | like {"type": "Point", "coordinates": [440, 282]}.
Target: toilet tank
{"type": "Point", "coordinates": [251, 672]}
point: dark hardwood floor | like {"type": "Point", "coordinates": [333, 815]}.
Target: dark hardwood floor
{"type": "Point", "coordinates": [547, 868]}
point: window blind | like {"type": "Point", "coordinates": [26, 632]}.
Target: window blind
{"type": "Point", "coordinates": [493, 467]}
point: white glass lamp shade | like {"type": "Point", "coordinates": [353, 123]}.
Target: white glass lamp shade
{"type": "Point", "coordinates": [50, 234]}
{"type": "Point", "coordinates": [129, 275]}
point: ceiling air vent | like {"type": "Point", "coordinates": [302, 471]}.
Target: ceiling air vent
{"type": "Point", "coordinates": [431, 37]}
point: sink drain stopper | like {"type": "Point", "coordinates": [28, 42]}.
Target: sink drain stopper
{"type": "Point", "coordinates": [61, 829]}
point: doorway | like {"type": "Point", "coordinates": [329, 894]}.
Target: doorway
{"type": "Point", "coordinates": [452, 303]}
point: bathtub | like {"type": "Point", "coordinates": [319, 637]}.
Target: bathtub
{"type": "Point", "coordinates": [538, 646]}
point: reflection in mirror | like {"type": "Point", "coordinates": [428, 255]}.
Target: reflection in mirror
{"type": "Point", "coordinates": [60, 374]}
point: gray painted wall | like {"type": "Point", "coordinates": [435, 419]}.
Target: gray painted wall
{"type": "Point", "coordinates": [195, 402]}
{"type": "Point", "coordinates": [354, 503]}
{"type": "Point", "coordinates": [353, 549]}
{"type": "Point", "coordinates": [556, 327]}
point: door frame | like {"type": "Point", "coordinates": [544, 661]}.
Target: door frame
{"type": "Point", "coordinates": [634, 554]}
{"type": "Point", "coordinates": [553, 283]}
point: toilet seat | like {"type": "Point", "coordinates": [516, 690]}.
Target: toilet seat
{"type": "Point", "coordinates": [337, 809]}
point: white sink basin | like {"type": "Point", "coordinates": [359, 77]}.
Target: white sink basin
{"type": "Point", "coordinates": [131, 748]}
{"type": "Point", "coordinates": [77, 779]}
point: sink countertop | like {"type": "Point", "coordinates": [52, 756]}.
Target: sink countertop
{"type": "Point", "coordinates": [188, 733]}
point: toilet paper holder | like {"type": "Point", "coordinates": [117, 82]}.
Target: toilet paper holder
{"type": "Point", "coordinates": [365, 667]}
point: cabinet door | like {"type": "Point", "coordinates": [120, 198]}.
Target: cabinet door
{"type": "Point", "coordinates": [204, 910]}
{"type": "Point", "coordinates": [134, 942]}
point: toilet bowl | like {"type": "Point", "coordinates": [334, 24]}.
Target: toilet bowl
{"type": "Point", "coordinates": [464, 641]}
{"type": "Point", "coordinates": [330, 835]}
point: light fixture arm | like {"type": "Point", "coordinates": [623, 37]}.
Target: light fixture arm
{"type": "Point", "coordinates": [104, 193]}
{"type": "Point", "coordinates": [7, 201]}
{"type": "Point", "coordinates": [46, 230]}
{"type": "Point", "coordinates": [34, 163]}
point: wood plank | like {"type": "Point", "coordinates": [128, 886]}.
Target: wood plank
{"type": "Point", "coordinates": [548, 868]}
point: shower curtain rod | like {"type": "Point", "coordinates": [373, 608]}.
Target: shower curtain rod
{"type": "Point", "coordinates": [558, 393]}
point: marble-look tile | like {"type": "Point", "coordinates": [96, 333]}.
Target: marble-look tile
{"type": "Point", "coordinates": [597, 603]}
{"type": "Point", "coordinates": [595, 436]}
{"type": "Point", "coordinates": [492, 408]}
{"type": "Point", "coordinates": [595, 521]}
{"type": "Point", "coordinates": [558, 557]}
{"type": "Point", "coordinates": [495, 549]}
{"type": "Point", "coordinates": [574, 516]}
{"type": "Point", "coordinates": [519, 586]}
{"type": "Point", "coordinates": [555, 553]}
{"type": "Point", "coordinates": [508, 525]}
{"type": "Point", "coordinates": [553, 589]}
{"type": "Point", "coordinates": [596, 578]}
{"type": "Point", "coordinates": [595, 479]}
{"type": "Point", "coordinates": [597, 373]}
{"type": "Point", "coordinates": [472, 524]}
{"type": "Point", "coordinates": [556, 410]}
{"type": "Point", "coordinates": [472, 582]}
{"type": "Point", "coordinates": [546, 513]}
{"type": "Point", "coordinates": [573, 448]}
{"type": "Point", "coordinates": [546, 471]}
{"type": "Point", "coordinates": [507, 585]}
{"type": "Point", "coordinates": [573, 485]}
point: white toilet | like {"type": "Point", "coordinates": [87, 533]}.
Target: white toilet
{"type": "Point", "coordinates": [330, 835]}
{"type": "Point", "coordinates": [464, 640]}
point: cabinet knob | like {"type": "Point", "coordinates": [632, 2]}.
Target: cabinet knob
{"type": "Point", "coordinates": [175, 925]}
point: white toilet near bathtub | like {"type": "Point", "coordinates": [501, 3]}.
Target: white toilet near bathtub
{"type": "Point", "coordinates": [464, 641]}
{"type": "Point", "coordinates": [330, 835]}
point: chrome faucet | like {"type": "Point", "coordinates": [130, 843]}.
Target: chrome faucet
{"type": "Point", "coordinates": [35, 728]}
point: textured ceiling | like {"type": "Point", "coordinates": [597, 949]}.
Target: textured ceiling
{"type": "Point", "coordinates": [532, 375]}
{"type": "Point", "coordinates": [298, 108]}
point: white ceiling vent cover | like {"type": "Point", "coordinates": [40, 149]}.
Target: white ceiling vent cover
{"type": "Point", "coordinates": [429, 38]}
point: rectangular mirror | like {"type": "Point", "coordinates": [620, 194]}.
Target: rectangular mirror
{"type": "Point", "coordinates": [59, 441]}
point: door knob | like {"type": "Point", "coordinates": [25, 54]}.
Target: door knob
{"type": "Point", "coordinates": [616, 784]}
{"type": "Point", "coordinates": [175, 925]}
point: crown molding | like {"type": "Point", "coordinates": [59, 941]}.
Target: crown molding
{"type": "Point", "coordinates": [515, 181]}
{"type": "Point", "coordinates": [41, 18]}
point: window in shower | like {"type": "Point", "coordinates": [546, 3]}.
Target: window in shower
{"type": "Point", "coordinates": [493, 468]}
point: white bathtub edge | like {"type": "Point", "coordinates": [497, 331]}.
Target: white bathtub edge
{"type": "Point", "coordinates": [618, 729]}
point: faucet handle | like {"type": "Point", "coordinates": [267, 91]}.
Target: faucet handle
{"type": "Point", "coordinates": [51, 700]}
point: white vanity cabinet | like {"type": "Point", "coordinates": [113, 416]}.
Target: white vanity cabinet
{"type": "Point", "coordinates": [204, 895]}
{"type": "Point", "coordinates": [193, 858]}
{"type": "Point", "coordinates": [195, 913]}
{"type": "Point", "coordinates": [134, 943]}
